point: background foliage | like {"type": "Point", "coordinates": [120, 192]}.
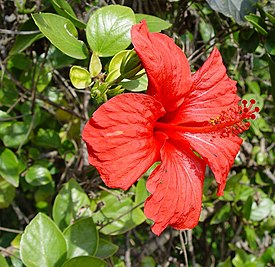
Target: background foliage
{"type": "Point", "coordinates": [50, 87]}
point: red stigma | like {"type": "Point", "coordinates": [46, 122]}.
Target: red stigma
{"type": "Point", "coordinates": [248, 112]}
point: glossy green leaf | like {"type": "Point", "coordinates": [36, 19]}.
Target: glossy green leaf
{"type": "Point", "coordinates": [64, 9]}
{"type": "Point", "coordinates": [105, 249]}
{"type": "Point", "coordinates": [9, 167]}
{"type": "Point", "coordinates": [38, 175]}
{"type": "Point", "coordinates": [7, 194]}
{"type": "Point", "coordinates": [70, 204]}
{"type": "Point", "coordinates": [85, 261]}
{"type": "Point", "coordinates": [114, 65]}
{"type": "Point", "coordinates": [81, 238]}
{"type": "Point", "coordinates": [258, 23]}
{"type": "Point", "coordinates": [22, 42]}
{"type": "Point", "coordinates": [62, 34]}
{"type": "Point", "coordinates": [95, 65]}
{"type": "Point", "coordinates": [236, 9]}
{"type": "Point", "coordinates": [262, 210]}
{"type": "Point", "coordinates": [154, 24]}
{"type": "Point", "coordinates": [108, 29]}
{"type": "Point", "coordinates": [119, 212]}
{"type": "Point", "coordinates": [16, 134]}
{"type": "Point", "coordinates": [42, 243]}
{"type": "Point", "coordinates": [3, 262]}
{"type": "Point", "coordinates": [80, 77]}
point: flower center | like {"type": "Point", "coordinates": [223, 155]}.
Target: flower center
{"type": "Point", "coordinates": [231, 121]}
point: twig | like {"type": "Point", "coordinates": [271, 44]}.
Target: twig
{"type": "Point", "coordinates": [10, 230]}
{"type": "Point", "coordinates": [128, 250]}
{"type": "Point", "coordinates": [183, 247]}
{"type": "Point", "coordinates": [191, 248]}
{"type": "Point", "coordinates": [18, 32]}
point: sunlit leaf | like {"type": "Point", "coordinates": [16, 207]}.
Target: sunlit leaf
{"type": "Point", "coordinates": [7, 194]}
{"type": "Point", "coordinates": [64, 9]}
{"type": "Point", "coordinates": [42, 243]}
{"type": "Point", "coordinates": [9, 166]}
{"type": "Point", "coordinates": [108, 29]}
{"type": "Point", "coordinates": [62, 34]}
{"type": "Point", "coordinates": [154, 24]}
{"type": "Point", "coordinates": [70, 204]}
{"type": "Point", "coordinates": [81, 238]}
{"type": "Point", "coordinates": [80, 77]}
{"type": "Point", "coordinates": [38, 175]}
{"type": "Point", "coordinates": [118, 214]}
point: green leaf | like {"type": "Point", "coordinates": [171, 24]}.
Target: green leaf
{"type": "Point", "coordinates": [270, 43]}
{"type": "Point", "coordinates": [9, 167]}
{"type": "Point", "coordinates": [247, 207]}
{"type": "Point", "coordinates": [108, 29]}
{"type": "Point", "coordinates": [137, 85]}
{"type": "Point", "coordinates": [80, 77]}
{"type": "Point", "coordinates": [261, 211]}
{"type": "Point", "coordinates": [24, 41]}
{"type": "Point", "coordinates": [3, 262]}
{"type": "Point", "coordinates": [105, 249]}
{"type": "Point", "coordinates": [81, 238]}
{"type": "Point", "coordinates": [38, 175]}
{"type": "Point", "coordinates": [85, 261]}
{"type": "Point", "coordinates": [64, 9]}
{"type": "Point", "coordinates": [69, 203]}
{"type": "Point", "coordinates": [118, 214]}
{"type": "Point", "coordinates": [7, 194]}
{"type": "Point", "coordinates": [236, 9]}
{"type": "Point", "coordinates": [47, 138]}
{"type": "Point", "coordinates": [42, 243]}
{"type": "Point", "coordinates": [141, 192]}
{"type": "Point", "coordinates": [258, 23]}
{"type": "Point", "coordinates": [154, 24]}
{"type": "Point", "coordinates": [16, 134]}
{"type": "Point", "coordinates": [95, 65]}
{"type": "Point", "coordinates": [62, 33]}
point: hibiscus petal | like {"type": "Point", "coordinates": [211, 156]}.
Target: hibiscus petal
{"type": "Point", "coordinates": [212, 91]}
{"type": "Point", "coordinates": [165, 64]}
{"type": "Point", "coordinates": [218, 151]}
{"type": "Point", "coordinates": [120, 138]}
{"type": "Point", "coordinates": [176, 188]}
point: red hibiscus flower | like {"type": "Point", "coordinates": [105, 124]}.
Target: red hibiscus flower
{"type": "Point", "coordinates": [184, 121]}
